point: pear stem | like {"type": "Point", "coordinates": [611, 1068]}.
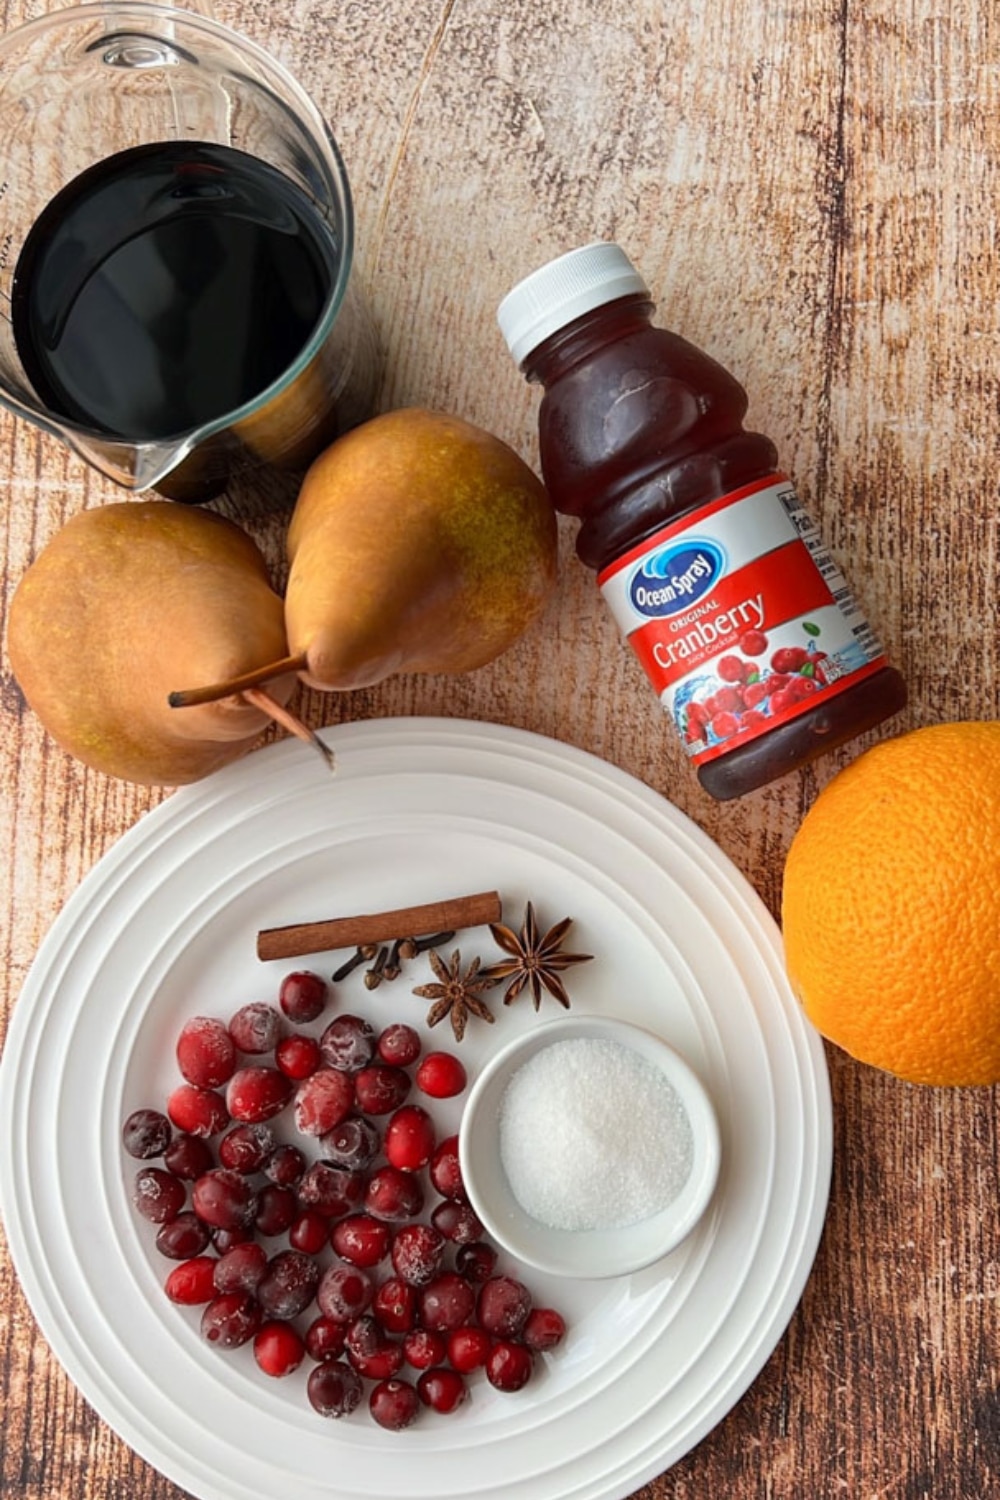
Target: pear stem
{"type": "Point", "coordinates": [283, 716]}
{"type": "Point", "coordinates": [189, 697]}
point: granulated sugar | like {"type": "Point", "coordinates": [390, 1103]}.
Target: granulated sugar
{"type": "Point", "coordinates": [593, 1136]}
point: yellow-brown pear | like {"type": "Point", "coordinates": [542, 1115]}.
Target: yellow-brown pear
{"type": "Point", "coordinates": [418, 543]}
{"type": "Point", "coordinates": [125, 601]}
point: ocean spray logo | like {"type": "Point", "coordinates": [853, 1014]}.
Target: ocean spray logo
{"type": "Point", "coordinates": [674, 577]}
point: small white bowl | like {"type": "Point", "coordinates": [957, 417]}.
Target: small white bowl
{"type": "Point", "coordinates": [593, 1253]}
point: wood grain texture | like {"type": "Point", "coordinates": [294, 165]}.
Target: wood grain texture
{"type": "Point", "coordinates": [811, 190]}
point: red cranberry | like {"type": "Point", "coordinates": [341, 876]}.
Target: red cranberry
{"type": "Point", "coordinates": [509, 1366]}
{"type": "Point", "coordinates": [303, 996]}
{"type": "Point", "coordinates": [354, 1143]}
{"type": "Point", "coordinates": [277, 1348]}
{"type": "Point", "coordinates": [333, 1388]}
{"type": "Point", "coordinates": [197, 1111]}
{"type": "Point", "coordinates": [457, 1222]}
{"type": "Point", "coordinates": [446, 1302]}
{"type": "Point", "coordinates": [503, 1306]}
{"type": "Point", "coordinates": [288, 1285]}
{"type": "Point", "coordinates": [441, 1389]}
{"type": "Point", "coordinates": [395, 1305]}
{"type": "Point", "coordinates": [348, 1043]}
{"type": "Point", "coordinates": [393, 1196]}
{"type": "Point", "coordinates": [423, 1349]}
{"type": "Point", "coordinates": [257, 1028]}
{"type": "Point", "coordinates": [441, 1075]}
{"type": "Point", "coordinates": [394, 1404]}
{"type": "Point", "coordinates": [370, 1350]}
{"type": "Point", "coordinates": [468, 1348]}
{"type": "Point", "coordinates": [409, 1138]}
{"type": "Point", "coordinates": [205, 1052]}
{"type": "Point", "coordinates": [399, 1045]}
{"type": "Point", "coordinates": [224, 1199]}
{"type": "Point", "coordinates": [285, 1166]}
{"type": "Point", "coordinates": [230, 1320]}
{"type": "Point", "coordinates": [446, 1171]}
{"type": "Point", "coordinates": [146, 1133]}
{"type": "Point", "coordinates": [183, 1237]}
{"type": "Point", "coordinates": [543, 1329]}
{"type": "Point", "coordinates": [325, 1337]}
{"type": "Point", "coordinates": [158, 1195]}
{"type": "Point", "coordinates": [225, 1240]}
{"type": "Point", "coordinates": [381, 1088]}
{"type": "Point", "coordinates": [417, 1253]}
{"type": "Point", "coordinates": [241, 1268]}
{"type": "Point", "coordinates": [476, 1262]}
{"type": "Point", "coordinates": [297, 1057]}
{"type": "Point", "coordinates": [331, 1191]}
{"type": "Point", "coordinates": [361, 1240]}
{"type": "Point", "coordinates": [344, 1293]}
{"type": "Point", "coordinates": [322, 1101]}
{"type": "Point", "coordinates": [192, 1282]}
{"type": "Point", "coordinates": [277, 1210]}
{"type": "Point", "coordinates": [246, 1148]}
{"type": "Point", "coordinates": [310, 1232]}
{"type": "Point", "coordinates": [188, 1156]}
{"type": "Point", "coordinates": [257, 1093]}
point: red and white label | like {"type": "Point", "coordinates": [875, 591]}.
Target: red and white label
{"type": "Point", "coordinates": [740, 617]}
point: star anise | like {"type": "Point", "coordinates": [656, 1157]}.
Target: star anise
{"type": "Point", "coordinates": [535, 961]}
{"type": "Point", "coordinates": [456, 994]}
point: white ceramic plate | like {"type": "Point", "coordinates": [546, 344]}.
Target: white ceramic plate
{"type": "Point", "coordinates": [164, 928]}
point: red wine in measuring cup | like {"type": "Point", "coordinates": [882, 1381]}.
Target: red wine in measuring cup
{"type": "Point", "coordinates": [167, 286]}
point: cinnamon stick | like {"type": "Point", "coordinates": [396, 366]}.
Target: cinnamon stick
{"type": "Point", "coordinates": [377, 927]}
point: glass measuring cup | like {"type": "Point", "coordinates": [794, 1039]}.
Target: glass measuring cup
{"type": "Point", "coordinates": [93, 86]}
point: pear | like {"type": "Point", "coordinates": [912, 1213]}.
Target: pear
{"type": "Point", "coordinates": [124, 601]}
{"type": "Point", "coordinates": [418, 543]}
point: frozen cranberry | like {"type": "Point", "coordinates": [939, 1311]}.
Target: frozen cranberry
{"type": "Point", "coordinates": [257, 1093]}
{"type": "Point", "coordinates": [370, 1350]}
{"type": "Point", "coordinates": [394, 1404]}
{"type": "Point", "coordinates": [544, 1328]}
{"type": "Point", "coordinates": [503, 1306]}
{"type": "Point", "coordinates": [446, 1302]}
{"type": "Point", "coordinates": [361, 1240]}
{"type": "Point", "coordinates": [441, 1075]}
{"type": "Point", "coordinates": [331, 1191]}
{"type": "Point", "coordinates": [395, 1305]}
{"type": "Point", "coordinates": [278, 1348]}
{"type": "Point", "coordinates": [446, 1171]}
{"type": "Point", "coordinates": [443, 1390]}
{"type": "Point", "coordinates": [476, 1262]}
{"type": "Point", "coordinates": [309, 1232]}
{"type": "Point", "coordinates": [399, 1045]}
{"type": "Point", "coordinates": [302, 996]}
{"type": "Point", "coordinates": [192, 1282]}
{"type": "Point", "coordinates": [333, 1388]}
{"type": "Point", "coordinates": [457, 1222]}
{"type": "Point", "coordinates": [277, 1209]}
{"type": "Point", "coordinates": [380, 1088]}
{"type": "Point", "coordinates": [409, 1138]}
{"type": "Point", "coordinates": [393, 1195]}
{"type": "Point", "coordinates": [325, 1337]}
{"type": "Point", "coordinates": [348, 1043]}
{"type": "Point", "coordinates": [205, 1052]}
{"type": "Point", "coordinates": [285, 1166]}
{"type": "Point", "coordinates": [225, 1240]}
{"type": "Point", "coordinates": [197, 1111]}
{"type": "Point", "coordinates": [183, 1237]}
{"type": "Point", "coordinates": [417, 1253]}
{"type": "Point", "coordinates": [159, 1196]}
{"type": "Point", "coordinates": [753, 643]}
{"type": "Point", "coordinates": [224, 1199]}
{"type": "Point", "coordinates": [257, 1028]}
{"type": "Point", "coordinates": [230, 1320]}
{"type": "Point", "coordinates": [246, 1148]}
{"type": "Point", "coordinates": [344, 1293]}
{"type": "Point", "coordinates": [322, 1101]}
{"type": "Point", "coordinates": [423, 1349]}
{"type": "Point", "coordinates": [468, 1348]}
{"type": "Point", "coordinates": [789, 658]}
{"type": "Point", "coordinates": [146, 1133]}
{"type": "Point", "coordinates": [509, 1366]}
{"type": "Point", "coordinates": [354, 1143]}
{"type": "Point", "coordinates": [297, 1057]}
{"type": "Point", "coordinates": [288, 1285]}
{"type": "Point", "coordinates": [240, 1269]}
{"type": "Point", "coordinates": [732, 668]}
{"type": "Point", "coordinates": [188, 1156]}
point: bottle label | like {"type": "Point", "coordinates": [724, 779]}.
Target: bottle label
{"type": "Point", "coordinates": [740, 617]}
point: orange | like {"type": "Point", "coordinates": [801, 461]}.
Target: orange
{"type": "Point", "coordinates": [891, 906]}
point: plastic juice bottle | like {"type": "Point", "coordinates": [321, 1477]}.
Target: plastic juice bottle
{"type": "Point", "coordinates": [716, 575]}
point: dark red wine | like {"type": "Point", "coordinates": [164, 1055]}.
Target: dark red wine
{"type": "Point", "coordinates": [167, 286]}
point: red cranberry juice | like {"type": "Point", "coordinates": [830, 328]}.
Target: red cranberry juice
{"type": "Point", "coordinates": [167, 286]}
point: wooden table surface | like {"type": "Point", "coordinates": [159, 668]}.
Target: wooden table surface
{"type": "Point", "coordinates": [811, 191]}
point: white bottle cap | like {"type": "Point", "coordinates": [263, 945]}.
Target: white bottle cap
{"type": "Point", "coordinates": [565, 289]}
